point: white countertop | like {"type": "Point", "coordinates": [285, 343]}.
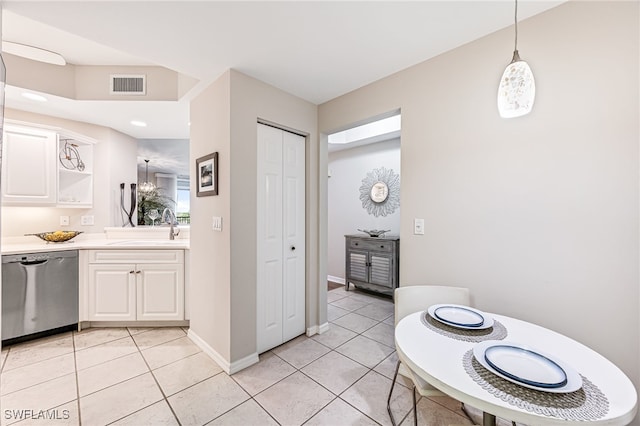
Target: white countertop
{"type": "Point", "coordinates": [116, 238]}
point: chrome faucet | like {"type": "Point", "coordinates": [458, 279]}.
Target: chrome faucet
{"type": "Point", "coordinates": [168, 216]}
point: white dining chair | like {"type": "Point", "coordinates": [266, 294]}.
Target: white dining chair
{"type": "Point", "coordinates": [410, 299]}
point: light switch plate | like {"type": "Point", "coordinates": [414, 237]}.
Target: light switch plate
{"type": "Point", "coordinates": [418, 226]}
{"type": "Point", "coordinates": [86, 220]}
{"type": "Point", "coordinates": [64, 220]}
{"type": "Point", "coordinates": [217, 223]}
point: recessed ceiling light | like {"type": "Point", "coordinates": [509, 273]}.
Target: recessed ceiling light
{"type": "Point", "coordinates": [138, 123]}
{"type": "Point", "coordinates": [34, 97]}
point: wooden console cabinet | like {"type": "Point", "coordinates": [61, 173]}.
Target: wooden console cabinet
{"type": "Point", "coordinates": [372, 263]}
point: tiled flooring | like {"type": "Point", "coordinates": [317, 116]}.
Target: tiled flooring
{"type": "Point", "coordinates": [143, 376]}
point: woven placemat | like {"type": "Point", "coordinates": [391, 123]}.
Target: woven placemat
{"type": "Point", "coordinates": [587, 403]}
{"type": "Point", "coordinates": [496, 332]}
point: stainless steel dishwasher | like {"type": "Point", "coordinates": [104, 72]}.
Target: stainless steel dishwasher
{"type": "Point", "coordinates": [39, 294]}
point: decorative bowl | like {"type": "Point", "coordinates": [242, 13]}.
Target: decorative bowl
{"type": "Point", "coordinates": [375, 232]}
{"type": "Point", "coordinates": [57, 236]}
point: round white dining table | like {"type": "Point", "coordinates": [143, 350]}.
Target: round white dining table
{"type": "Point", "coordinates": [438, 359]}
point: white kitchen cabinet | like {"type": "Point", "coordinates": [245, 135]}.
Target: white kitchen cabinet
{"type": "Point", "coordinates": [28, 166]}
{"type": "Point", "coordinates": [112, 292]}
{"type": "Point", "coordinates": [160, 292]}
{"type": "Point", "coordinates": [45, 166]}
{"type": "Point", "coordinates": [135, 285]}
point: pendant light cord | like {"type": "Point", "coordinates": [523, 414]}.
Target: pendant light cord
{"type": "Point", "coordinates": [516, 55]}
{"type": "Point", "coordinates": [516, 25]}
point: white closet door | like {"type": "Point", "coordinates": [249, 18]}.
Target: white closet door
{"type": "Point", "coordinates": [280, 239]}
{"type": "Point", "coordinates": [294, 241]}
{"type": "Point", "coordinates": [269, 244]}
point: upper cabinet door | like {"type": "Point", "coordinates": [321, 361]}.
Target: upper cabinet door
{"type": "Point", "coordinates": [28, 166]}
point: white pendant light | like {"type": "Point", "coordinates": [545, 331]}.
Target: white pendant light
{"type": "Point", "coordinates": [517, 89]}
{"type": "Point", "coordinates": [147, 186]}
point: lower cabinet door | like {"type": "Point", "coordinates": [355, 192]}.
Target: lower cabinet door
{"type": "Point", "coordinates": [112, 292]}
{"type": "Point", "coordinates": [357, 268]}
{"type": "Point", "coordinates": [381, 269]}
{"type": "Point", "coordinates": [160, 292]}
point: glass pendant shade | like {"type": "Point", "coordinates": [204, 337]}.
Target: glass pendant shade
{"type": "Point", "coordinates": [517, 90]}
{"type": "Point", "coordinates": [146, 186]}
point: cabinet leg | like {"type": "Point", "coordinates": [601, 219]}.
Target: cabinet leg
{"type": "Point", "coordinates": [346, 285]}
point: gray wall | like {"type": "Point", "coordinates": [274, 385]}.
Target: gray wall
{"type": "Point", "coordinates": [537, 215]}
{"type": "Point", "coordinates": [223, 264]}
{"type": "Point", "coordinates": [345, 212]}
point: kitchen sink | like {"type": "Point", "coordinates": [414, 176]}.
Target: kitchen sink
{"type": "Point", "coordinates": [148, 243]}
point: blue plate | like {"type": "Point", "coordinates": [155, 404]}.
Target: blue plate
{"type": "Point", "coordinates": [458, 315]}
{"type": "Point", "coordinates": [525, 366]}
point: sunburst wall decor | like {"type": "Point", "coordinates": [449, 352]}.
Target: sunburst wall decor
{"type": "Point", "coordinates": [380, 192]}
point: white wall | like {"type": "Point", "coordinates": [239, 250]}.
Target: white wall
{"type": "Point", "coordinates": [537, 215]}
{"type": "Point", "coordinates": [120, 165]}
{"type": "Point", "coordinates": [91, 82]}
{"type": "Point", "coordinates": [345, 212]}
{"type": "Point", "coordinates": [210, 262]}
{"type": "Point", "coordinates": [223, 299]}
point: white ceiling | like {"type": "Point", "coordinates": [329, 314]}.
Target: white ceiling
{"type": "Point", "coordinates": [316, 50]}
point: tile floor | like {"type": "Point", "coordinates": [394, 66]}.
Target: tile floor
{"type": "Point", "coordinates": [144, 376]}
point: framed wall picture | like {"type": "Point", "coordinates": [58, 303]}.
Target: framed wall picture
{"type": "Point", "coordinates": [207, 175]}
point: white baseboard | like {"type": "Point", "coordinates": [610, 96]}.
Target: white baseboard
{"type": "Point", "coordinates": [336, 280]}
{"type": "Point", "coordinates": [229, 368]}
{"type": "Point", "coordinates": [317, 329]}
{"type": "Point", "coordinates": [243, 363]}
{"type": "Point", "coordinates": [219, 359]}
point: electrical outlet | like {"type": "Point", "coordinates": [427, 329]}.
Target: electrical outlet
{"type": "Point", "coordinates": [418, 226]}
{"type": "Point", "coordinates": [217, 223]}
{"type": "Point", "coordinates": [64, 220]}
{"type": "Point", "coordinates": [86, 220]}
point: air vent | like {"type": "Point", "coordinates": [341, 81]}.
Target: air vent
{"type": "Point", "coordinates": [128, 84]}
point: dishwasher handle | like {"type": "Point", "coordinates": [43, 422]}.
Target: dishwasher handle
{"type": "Point", "coordinates": [34, 262]}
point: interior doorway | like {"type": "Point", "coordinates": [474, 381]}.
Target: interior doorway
{"type": "Point", "coordinates": [359, 157]}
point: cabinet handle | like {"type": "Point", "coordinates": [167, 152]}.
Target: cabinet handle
{"type": "Point", "coordinates": [132, 272]}
{"type": "Point", "coordinates": [138, 272]}
{"type": "Point", "coordinates": [355, 244]}
{"type": "Point", "coordinates": [381, 246]}
{"type": "Point", "coordinates": [293, 248]}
